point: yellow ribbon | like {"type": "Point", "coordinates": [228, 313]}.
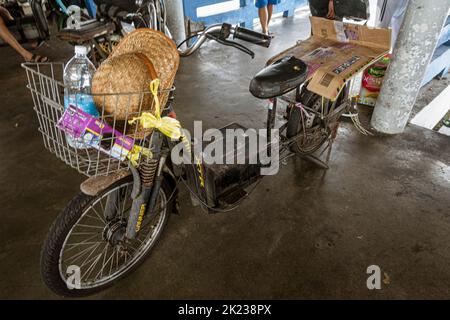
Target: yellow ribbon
{"type": "Point", "coordinates": [137, 152]}
{"type": "Point", "coordinates": [168, 126]}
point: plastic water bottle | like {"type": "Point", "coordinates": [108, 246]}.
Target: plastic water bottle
{"type": "Point", "coordinates": [78, 75]}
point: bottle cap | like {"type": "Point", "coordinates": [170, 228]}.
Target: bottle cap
{"type": "Point", "coordinates": [82, 50]}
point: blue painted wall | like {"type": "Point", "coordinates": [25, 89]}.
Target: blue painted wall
{"type": "Point", "coordinates": [440, 63]}
{"type": "Point", "coordinates": [91, 7]}
{"type": "Point", "coordinates": [244, 16]}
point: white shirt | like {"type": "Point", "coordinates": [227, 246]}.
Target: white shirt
{"type": "Point", "coordinates": [390, 14]}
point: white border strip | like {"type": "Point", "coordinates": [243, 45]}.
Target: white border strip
{"type": "Point", "coordinates": [218, 8]}
{"type": "Point", "coordinates": [430, 116]}
{"type": "Point", "coordinates": [445, 130]}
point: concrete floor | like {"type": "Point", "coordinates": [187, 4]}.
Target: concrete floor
{"type": "Point", "coordinates": [302, 234]}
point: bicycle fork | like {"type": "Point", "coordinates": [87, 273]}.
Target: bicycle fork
{"type": "Point", "coordinates": [147, 182]}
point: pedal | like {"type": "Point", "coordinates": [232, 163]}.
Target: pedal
{"type": "Point", "coordinates": [232, 198]}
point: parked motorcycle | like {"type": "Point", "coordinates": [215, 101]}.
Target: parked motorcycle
{"type": "Point", "coordinates": [30, 20]}
{"type": "Point", "coordinates": [114, 19]}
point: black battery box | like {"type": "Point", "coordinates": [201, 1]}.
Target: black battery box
{"type": "Point", "coordinates": [222, 184]}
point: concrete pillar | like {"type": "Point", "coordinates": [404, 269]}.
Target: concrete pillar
{"type": "Point", "coordinates": [175, 19]}
{"type": "Point", "coordinates": [415, 47]}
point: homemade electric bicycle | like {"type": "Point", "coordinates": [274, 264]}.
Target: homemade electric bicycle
{"type": "Point", "coordinates": [108, 229]}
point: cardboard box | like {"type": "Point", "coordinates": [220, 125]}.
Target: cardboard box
{"type": "Point", "coordinates": [336, 51]}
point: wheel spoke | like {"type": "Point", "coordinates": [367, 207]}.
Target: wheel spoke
{"type": "Point", "coordinates": [125, 197]}
{"type": "Point", "coordinates": [84, 242]}
{"type": "Point", "coordinates": [83, 233]}
{"type": "Point", "coordinates": [95, 218]}
{"type": "Point", "coordinates": [150, 222]}
{"type": "Point", "coordinates": [104, 264]}
{"type": "Point", "coordinates": [92, 266]}
{"type": "Point", "coordinates": [112, 261]}
{"type": "Point", "coordinates": [102, 206]}
{"type": "Point", "coordinates": [80, 254]}
{"type": "Point", "coordinates": [101, 217]}
{"type": "Point", "coordinates": [88, 226]}
{"type": "Point", "coordinates": [86, 260]}
{"type": "Point", "coordinates": [117, 259]}
{"type": "Point", "coordinates": [89, 260]}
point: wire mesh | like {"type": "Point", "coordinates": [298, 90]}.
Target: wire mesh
{"type": "Point", "coordinates": [104, 144]}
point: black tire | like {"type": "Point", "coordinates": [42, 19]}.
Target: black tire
{"type": "Point", "coordinates": [61, 227]}
{"type": "Point", "coordinates": [294, 127]}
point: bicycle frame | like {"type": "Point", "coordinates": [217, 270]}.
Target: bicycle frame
{"type": "Point", "coordinates": [144, 196]}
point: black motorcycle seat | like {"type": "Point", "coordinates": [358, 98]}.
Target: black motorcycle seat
{"type": "Point", "coordinates": [279, 78]}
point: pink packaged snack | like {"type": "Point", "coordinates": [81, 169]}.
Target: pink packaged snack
{"type": "Point", "coordinates": [95, 133]}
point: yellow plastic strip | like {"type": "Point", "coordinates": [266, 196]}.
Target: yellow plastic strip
{"type": "Point", "coordinates": [168, 126]}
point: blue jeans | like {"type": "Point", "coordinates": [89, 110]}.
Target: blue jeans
{"type": "Point", "coordinates": [265, 3]}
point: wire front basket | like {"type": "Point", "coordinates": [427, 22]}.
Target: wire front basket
{"type": "Point", "coordinates": [95, 145]}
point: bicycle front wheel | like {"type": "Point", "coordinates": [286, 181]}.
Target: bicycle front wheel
{"type": "Point", "coordinates": [82, 255]}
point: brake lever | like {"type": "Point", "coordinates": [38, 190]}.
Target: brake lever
{"type": "Point", "coordinates": [232, 44]}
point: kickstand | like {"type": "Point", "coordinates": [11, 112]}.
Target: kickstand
{"type": "Point", "coordinates": [316, 160]}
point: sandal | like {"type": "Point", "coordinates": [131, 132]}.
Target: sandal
{"type": "Point", "coordinates": [38, 59]}
{"type": "Point", "coordinates": [37, 44]}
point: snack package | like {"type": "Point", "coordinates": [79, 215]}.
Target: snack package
{"type": "Point", "coordinates": [372, 81]}
{"type": "Point", "coordinates": [94, 133]}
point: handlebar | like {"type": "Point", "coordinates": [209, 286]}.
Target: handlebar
{"type": "Point", "coordinates": [221, 32]}
{"type": "Point", "coordinates": [201, 39]}
{"type": "Point", "coordinates": [251, 36]}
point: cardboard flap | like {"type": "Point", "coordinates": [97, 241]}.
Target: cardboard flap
{"type": "Point", "coordinates": [336, 52]}
{"type": "Point", "coordinates": [351, 33]}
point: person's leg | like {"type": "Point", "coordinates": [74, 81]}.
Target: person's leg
{"type": "Point", "coordinates": [270, 5]}
{"type": "Point", "coordinates": [263, 18]}
{"type": "Point", "coordinates": [9, 38]}
{"type": "Point", "coordinates": [263, 14]}
{"type": "Point", "coordinates": [269, 13]}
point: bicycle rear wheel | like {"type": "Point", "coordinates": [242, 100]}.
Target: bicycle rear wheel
{"type": "Point", "coordinates": [311, 135]}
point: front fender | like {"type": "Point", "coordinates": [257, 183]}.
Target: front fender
{"type": "Point", "coordinates": [94, 185]}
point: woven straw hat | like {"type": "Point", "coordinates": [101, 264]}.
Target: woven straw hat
{"type": "Point", "coordinates": [113, 76]}
{"type": "Point", "coordinates": [140, 57]}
